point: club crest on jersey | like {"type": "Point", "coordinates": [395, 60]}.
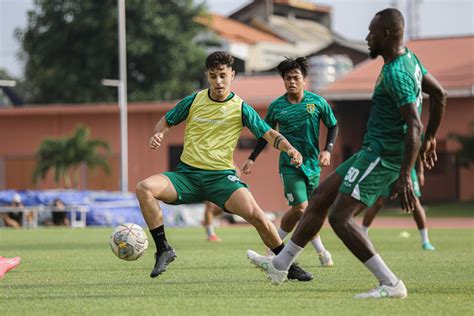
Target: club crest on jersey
{"type": "Point", "coordinates": [310, 108]}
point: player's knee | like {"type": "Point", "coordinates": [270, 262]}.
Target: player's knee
{"type": "Point", "coordinates": [216, 210]}
{"type": "Point", "coordinates": [337, 221]}
{"type": "Point", "coordinates": [256, 217]}
{"type": "Point", "coordinates": [298, 210]}
{"type": "Point", "coordinates": [318, 196]}
{"type": "Point", "coordinates": [143, 188]}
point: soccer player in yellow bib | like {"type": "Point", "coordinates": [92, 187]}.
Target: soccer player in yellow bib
{"type": "Point", "coordinates": [214, 120]}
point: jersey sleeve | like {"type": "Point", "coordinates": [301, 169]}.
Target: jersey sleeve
{"type": "Point", "coordinates": [253, 121]}
{"type": "Point", "coordinates": [270, 117]}
{"type": "Point", "coordinates": [423, 69]}
{"type": "Point", "coordinates": [327, 115]}
{"type": "Point", "coordinates": [180, 112]}
{"type": "Point", "coordinates": [401, 87]}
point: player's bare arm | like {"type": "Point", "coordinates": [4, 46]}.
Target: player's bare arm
{"type": "Point", "coordinates": [325, 156]}
{"type": "Point", "coordinates": [438, 98]}
{"type": "Point", "coordinates": [420, 171]}
{"type": "Point", "coordinates": [160, 130]}
{"type": "Point", "coordinates": [281, 143]}
{"type": "Point", "coordinates": [247, 167]}
{"type": "Point", "coordinates": [404, 186]}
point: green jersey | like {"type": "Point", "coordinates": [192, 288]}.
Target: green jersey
{"type": "Point", "coordinates": [398, 84]}
{"type": "Point", "coordinates": [299, 123]}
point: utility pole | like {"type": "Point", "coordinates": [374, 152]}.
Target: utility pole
{"type": "Point", "coordinates": [122, 88]}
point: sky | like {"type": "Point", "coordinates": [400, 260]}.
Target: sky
{"type": "Point", "coordinates": [350, 19]}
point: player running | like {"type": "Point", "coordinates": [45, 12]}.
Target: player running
{"type": "Point", "coordinates": [297, 115]}
{"type": "Point", "coordinates": [390, 148]}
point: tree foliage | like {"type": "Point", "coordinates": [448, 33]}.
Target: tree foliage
{"type": "Point", "coordinates": [70, 45]}
{"type": "Point", "coordinates": [64, 156]}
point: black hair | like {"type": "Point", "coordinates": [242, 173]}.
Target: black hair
{"type": "Point", "coordinates": [288, 64]}
{"type": "Point", "coordinates": [219, 58]}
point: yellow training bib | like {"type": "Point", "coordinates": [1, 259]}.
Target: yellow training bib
{"type": "Point", "coordinates": [212, 131]}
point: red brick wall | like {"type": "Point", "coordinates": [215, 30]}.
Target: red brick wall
{"type": "Point", "coordinates": [22, 130]}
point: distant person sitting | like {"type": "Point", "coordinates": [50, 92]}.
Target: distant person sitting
{"type": "Point", "coordinates": [58, 215]}
{"type": "Point", "coordinates": [13, 219]}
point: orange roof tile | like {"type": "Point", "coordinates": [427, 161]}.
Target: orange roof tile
{"type": "Point", "coordinates": [235, 31]}
{"type": "Point", "coordinates": [305, 5]}
{"type": "Point", "coordinates": [258, 91]}
{"type": "Point", "coordinates": [450, 60]}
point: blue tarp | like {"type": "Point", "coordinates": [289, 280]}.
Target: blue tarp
{"type": "Point", "coordinates": [105, 208]}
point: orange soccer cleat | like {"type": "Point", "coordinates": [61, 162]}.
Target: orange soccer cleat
{"type": "Point", "coordinates": [214, 238]}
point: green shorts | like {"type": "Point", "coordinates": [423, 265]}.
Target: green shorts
{"type": "Point", "coordinates": [197, 185]}
{"type": "Point", "coordinates": [414, 180]}
{"type": "Point", "coordinates": [365, 178]}
{"type": "Point", "coordinates": [298, 187]}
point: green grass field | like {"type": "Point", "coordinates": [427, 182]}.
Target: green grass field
{"type": "Point", "coordinates": [449, 209]}
{"type": "Point", "coordinates": [67, 271]}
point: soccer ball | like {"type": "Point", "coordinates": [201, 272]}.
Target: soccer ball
{"type": "Point", "coordinates": [128, 241]}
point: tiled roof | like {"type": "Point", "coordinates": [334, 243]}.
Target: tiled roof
{"type": "Point", "coordinates": [258, 91]}
{"type": "Point", "coordinates": [449, 60]}
{"type": "Point", "coordinates": [299, 4]}
{"type": "Point", "coordinates": [299, 30]}
{"type": "Point", "coordinates": [305, 5]}
{"type": "Point", "coordinates": [235, 31]}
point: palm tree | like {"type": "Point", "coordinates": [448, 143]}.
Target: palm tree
{"type": "Point", "coordinates": [65, 156]}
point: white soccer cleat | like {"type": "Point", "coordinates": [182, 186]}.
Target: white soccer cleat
{"type": "Point", "coordinates": [277, 277]}
{"type": "Point", "coordinates": [385, 291]}
{"type": "Point", "coordinates": [326, 259]}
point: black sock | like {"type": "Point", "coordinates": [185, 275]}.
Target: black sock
{"type": "Point", "coordinates": [278, 249]}
{"type": "Point", "coordinates": [159, 237]}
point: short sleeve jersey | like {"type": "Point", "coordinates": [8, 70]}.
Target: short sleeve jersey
{"type": "Point", "coordinates": [398, 84]}
{"type": "Point", "coordinates": [299, 123]}
{"type": "Point", "coordinates": [213, 128]}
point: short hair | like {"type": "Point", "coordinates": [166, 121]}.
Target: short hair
{"type": "Point", "coordinates": [219, 58]}
{"type": "Point", "coordinates": [392, 19]}
{"type": "Point", "coordinates": [288, 64]}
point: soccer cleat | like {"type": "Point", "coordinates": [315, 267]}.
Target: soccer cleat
{"type": "Point", "coordinates": [214, 238]}
{"type": "Point", "coordinates": [277, 277]}
{"type": "Point", "coordinates": [385, 291]}
{"type": "Point", "coordinates": [295, 272]}
{"type": "Point", "coordinates": [428, 246]}
{"type": "Point", "coordinates": [7, 264]}
{"type": "Point", "coordinates": [326, 259]}
{"type": "Point", "coordinates": [162, 260]}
